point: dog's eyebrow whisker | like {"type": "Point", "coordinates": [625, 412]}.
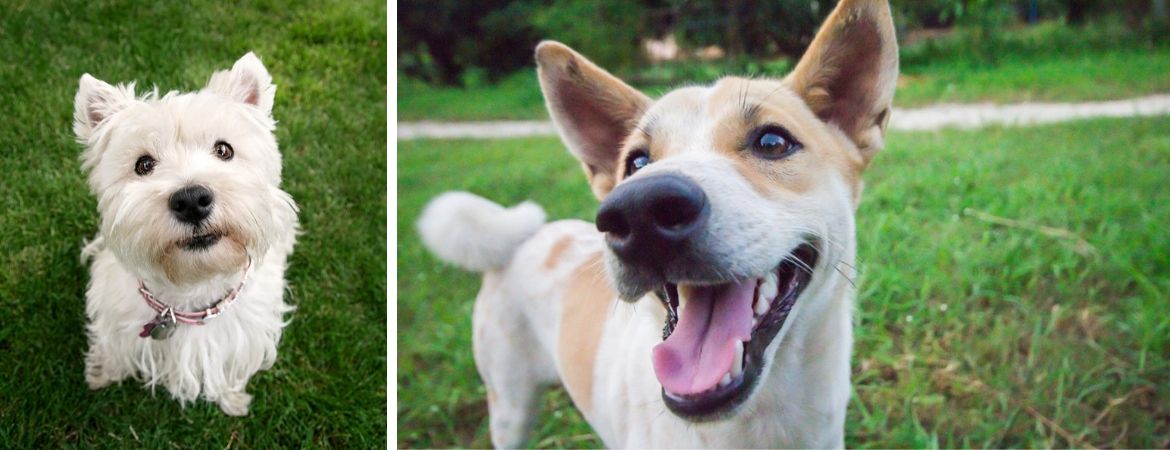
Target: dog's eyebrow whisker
{"type": "Point", "coordinates": [778, 88]}
{"type": "Point", "coordinates": [751, 113]}
{"type": "Point", "coordinates": [743, 95]}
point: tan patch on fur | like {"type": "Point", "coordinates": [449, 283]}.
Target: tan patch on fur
{"type": "Point", "coordinates": [189, 266]}
{"type": "Point", "coordinates": [771, 103]}
{"type": "Point", "coordinates": [586, 307]}
{"type": "Point", "coordinates": [759, 181]}
{"type": "Point", "coordinates": [558, 249]}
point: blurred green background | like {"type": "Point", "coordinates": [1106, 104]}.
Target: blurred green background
{"type": "Point", "coordinates": [952, 50]}
{"type": "Point", "coordinates": [1013, 281]}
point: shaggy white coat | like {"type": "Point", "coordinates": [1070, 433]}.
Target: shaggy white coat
{"type": "Point", "coordinates": [139, 239]}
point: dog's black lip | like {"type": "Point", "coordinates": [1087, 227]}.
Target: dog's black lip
{"type": "Point", "coordinates": [202, 241]}
{"type": "Point", "coordinates": [722, 401]}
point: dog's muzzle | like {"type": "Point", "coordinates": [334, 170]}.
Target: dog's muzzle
{"type": "Point", "coordinates": [651, 221]}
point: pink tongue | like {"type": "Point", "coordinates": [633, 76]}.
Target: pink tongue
{"type": "Point", "coordinates": [702, 347]}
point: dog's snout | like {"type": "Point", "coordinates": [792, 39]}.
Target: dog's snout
{"type": "Point", "coordinates": [191, 204]}
{"type": "Point", "coordinates": [654, 217]}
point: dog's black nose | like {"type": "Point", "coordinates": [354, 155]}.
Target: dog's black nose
{"type": "Point", "coordinates": [653, 218]}
{"type": "Point", "coordinates": [191, 204]}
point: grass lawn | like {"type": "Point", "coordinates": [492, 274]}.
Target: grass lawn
{"type": "Point", "coordinates": [1047, 62]}
{"type": "Point", "coordinates": [327, 388]}
{"type": "Point", "coordinates": [970, 332]}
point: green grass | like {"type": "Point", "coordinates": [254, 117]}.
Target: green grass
{"type": "Point", "coordinates": [1041, 63]}
{"type": "Point", "coordinates": [327, 388]}
{"type": "Point", "coordinates": [969, 333]}
{"type": "Point", "coordinates": [1045, 62]}
{"type": "Point", "coordinates": [516, 97]}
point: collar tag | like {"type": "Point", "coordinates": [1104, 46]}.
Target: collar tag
{"type": "Point", "coordinates": [164, 324]}
{"type": "Point", "coordinates": [162, 327]}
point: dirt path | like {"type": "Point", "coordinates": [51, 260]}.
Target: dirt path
{"type": "Point", "coordinates": [963, 116]}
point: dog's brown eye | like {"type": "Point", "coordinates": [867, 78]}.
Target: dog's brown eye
{"type": "Point", "coordinates": [224, 151]}
{"type": "Point", "coordinates": [636, 160]}
{"type": "Point", "coordinates": [773, 142]}
{"type": "Point", "coordinates": [144, 165]}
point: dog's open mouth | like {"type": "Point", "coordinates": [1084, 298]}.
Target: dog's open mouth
{"type": "Point", "coordinates": [716, 335]}
{"type": "Point", "coordinates": [201, 241]}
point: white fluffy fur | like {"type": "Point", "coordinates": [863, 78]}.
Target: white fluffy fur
{"type": "Point", "coordinates": [474, 233]}
{"type": "Point", "coordinates": [139, 238]}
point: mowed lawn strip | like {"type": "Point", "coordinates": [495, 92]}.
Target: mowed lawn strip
{"type": "Point", "coordinates": [983, 320]}
{"type": "Point", "coordinates": [327, 388]}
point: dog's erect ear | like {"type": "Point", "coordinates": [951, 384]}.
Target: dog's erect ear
{"type": "Point", "coordinates": [95, 102]}
{"type": "Point", "coordinates": [847, 76]}
{"type": "Point", "coordinates": [247, 81]}
{"type": "Point", "coordinates": [592, 110]}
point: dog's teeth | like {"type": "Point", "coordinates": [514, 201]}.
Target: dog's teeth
{"type": "Point", "coordinates": [726, 380]}
{"type": "Point", "coordinates": [737, 364]}
{"type": "Point", "coordinates": [766, 292]}
{"type": "Point", "coordinates": [684, 294]}
{"type": "Point", "coordinates": [762, 304]}
{"type": "Point", "coordinates": [770, 287]}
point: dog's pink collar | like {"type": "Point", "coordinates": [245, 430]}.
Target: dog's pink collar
{"type": "Point", "coordinates": [167, 313]}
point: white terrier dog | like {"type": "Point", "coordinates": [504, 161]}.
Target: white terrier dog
{"type": "Point", "coordinates": [187, 279]}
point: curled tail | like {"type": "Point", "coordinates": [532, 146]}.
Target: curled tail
{"type": "Point", "coordinates": [475, 233]}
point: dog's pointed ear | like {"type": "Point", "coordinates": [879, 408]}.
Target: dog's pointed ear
{"type": "Point", "coordinates": [247, 82]}
{"type": "Point", "coordinates": [95, 102]}
{"type": "Point", "coordinates": [848, 74]}
{"type": "Point", "coordinates": [592, 110]}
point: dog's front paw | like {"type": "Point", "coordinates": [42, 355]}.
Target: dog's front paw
{"type": "Point", "coordinates": [95, 376]}
{"type": "Point", "coordinates": [235, 403]}
{"type": "Point", "coordinates": [96, 380]}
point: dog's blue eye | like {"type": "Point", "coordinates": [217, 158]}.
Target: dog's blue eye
{"type": "Point", "coordinates": [144, 165]}
{"type": "Point", "coordinates": [774, 142]}
{"type": "Point", "coordinates": [641, 161]}
{"type": "Point", "coordinates": [771, 140]}
{"type": "Point", "coordinates": [636, 161]}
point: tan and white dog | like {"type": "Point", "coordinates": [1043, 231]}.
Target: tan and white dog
{"type": "Point", "coordinates": [726, 226]}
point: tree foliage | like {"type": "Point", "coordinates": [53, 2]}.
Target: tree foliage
{"type": "Point", "coordinates": [464, 42]}
{"type": "Point", "coordinates": [440, 40]}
